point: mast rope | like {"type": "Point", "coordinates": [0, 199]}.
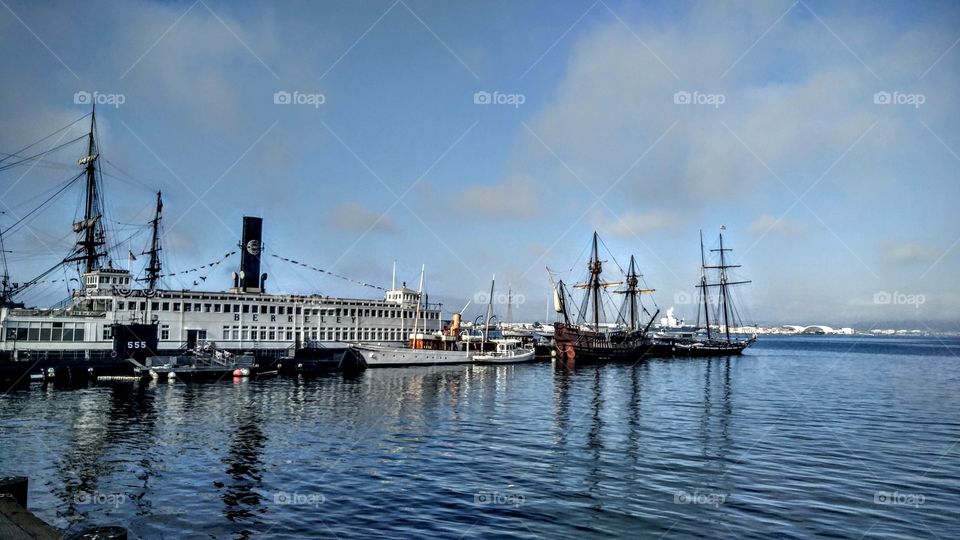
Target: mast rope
{"type": "Point", "coordinates": [31, 145]}
{"type": "Point", "coordinates": [209, 265]}
{"type": "Point", "coordinates": [327, 272]}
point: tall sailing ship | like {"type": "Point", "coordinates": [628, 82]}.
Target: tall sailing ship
{"type": "Point", "coordinates": [586, 337]}
{"type": "Point", "coordinates": [723, 329]}
{"type": "Point", "coordinates": [78, 335]}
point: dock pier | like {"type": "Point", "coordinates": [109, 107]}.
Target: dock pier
{"type": "Point", "coordinates": [19, 523]}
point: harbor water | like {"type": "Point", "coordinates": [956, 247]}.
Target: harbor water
{"type": "Point", "coordinates": [844, 437]}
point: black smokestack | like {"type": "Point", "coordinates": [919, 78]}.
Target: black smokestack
{"type": "Point", "coordinates": [250, 249]}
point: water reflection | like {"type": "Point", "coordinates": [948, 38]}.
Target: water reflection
{"type": "Point", "coordinates": [241, 499]}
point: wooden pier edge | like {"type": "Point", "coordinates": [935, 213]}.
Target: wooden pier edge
{"type": "Point", "coordinates": [18, 523]}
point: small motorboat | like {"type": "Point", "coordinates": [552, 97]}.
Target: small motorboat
{"type": "Point", "coordinates": [507, 351]}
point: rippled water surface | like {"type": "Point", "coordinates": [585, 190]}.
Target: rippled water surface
{"type": "Point", "coordinates": [800, 437]}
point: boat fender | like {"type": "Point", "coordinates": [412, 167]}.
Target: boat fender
{"type": "Point", "coordinates": [236, 373]}
{"type": "Point", "coordinates": [171, 376]}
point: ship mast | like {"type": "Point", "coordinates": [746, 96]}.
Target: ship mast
{"type": "Point", "coordinates": [486, 331]}
{"type": "Point", "coordinates": [723, 290]}
{"type": "Point", "coordinates": [595, 269]}
{"type": "Point", "coordinates": [5, 288]}
{"type": "Point", "coordinates": [153, 269]}
{"type": "Point", "coordinates": [723, 283]}
{"type": "Point", "coordinates": [703, 286]}
{"type": "Point", "coordinates": [632, 294]}
{"type": "Point", "coordinates": [90, 229]}
{"type": "Point", "coordinates": [632, 281]}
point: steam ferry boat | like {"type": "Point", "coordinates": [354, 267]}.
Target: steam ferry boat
{"type": "Point", "coordinates": [78, 336]}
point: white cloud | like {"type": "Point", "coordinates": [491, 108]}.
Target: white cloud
{"type": "Point", "coordinates": [907, 253]}
{"type": "Point", "coordinates": [768, 224]}
{"type": "Point", "coordinates": [357, 218]}
{"type": "Point", "coordinates": [513, 198]}
{"type": "Point", "coordinates": [632, 224]}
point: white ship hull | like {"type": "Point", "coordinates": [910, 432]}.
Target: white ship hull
{"type": "Point", "coordinates": [402, 356]}
{"type": "Point", "coordinates": [518, 357]}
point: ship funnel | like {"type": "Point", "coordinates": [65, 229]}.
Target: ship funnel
{"type": "Point", "coordinates": [455, 325]}
{"type": "Point", "coordinates": [251, 246]}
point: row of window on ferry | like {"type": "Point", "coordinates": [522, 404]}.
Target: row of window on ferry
{"type": "Point", "coordinates": [264, 333]}
{"type": "Point", "coordinates": [272, 310]}
{"type": "Point", "coordinates": [48, 331]}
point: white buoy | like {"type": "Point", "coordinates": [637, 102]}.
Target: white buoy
{"type": "Point", "coordinates": [171, 376]}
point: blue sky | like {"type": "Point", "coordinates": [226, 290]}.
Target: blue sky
{"type": "Point", "coordinates": [829, 197]}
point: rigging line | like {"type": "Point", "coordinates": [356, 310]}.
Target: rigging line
{"type": "Point", "coordinates": [44, 163]}
{"type": "Point", "coordinates": [49, 150]}
{"type": "Point", "coordinates": [41, 194]}
{"type": "Point", "coordinates": [611, 255]}
{"type": "Point", "coordinates": [58, 192]}
{"type": "Point", "coordinates": [31, 145]}
{"type": "Point", "coordinates": [129, 176]}
{"type": "Point", "coordinates": [345, 278]}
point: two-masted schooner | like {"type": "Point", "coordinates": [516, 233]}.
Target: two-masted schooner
{"type": "Point", "coordinates": [722, 328]}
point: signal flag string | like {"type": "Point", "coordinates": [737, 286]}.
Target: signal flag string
{"type": "Point", "coordinates": [329, 273]}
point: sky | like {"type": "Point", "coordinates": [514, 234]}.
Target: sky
{"type": "Point", "coordinates": [493, 138]}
